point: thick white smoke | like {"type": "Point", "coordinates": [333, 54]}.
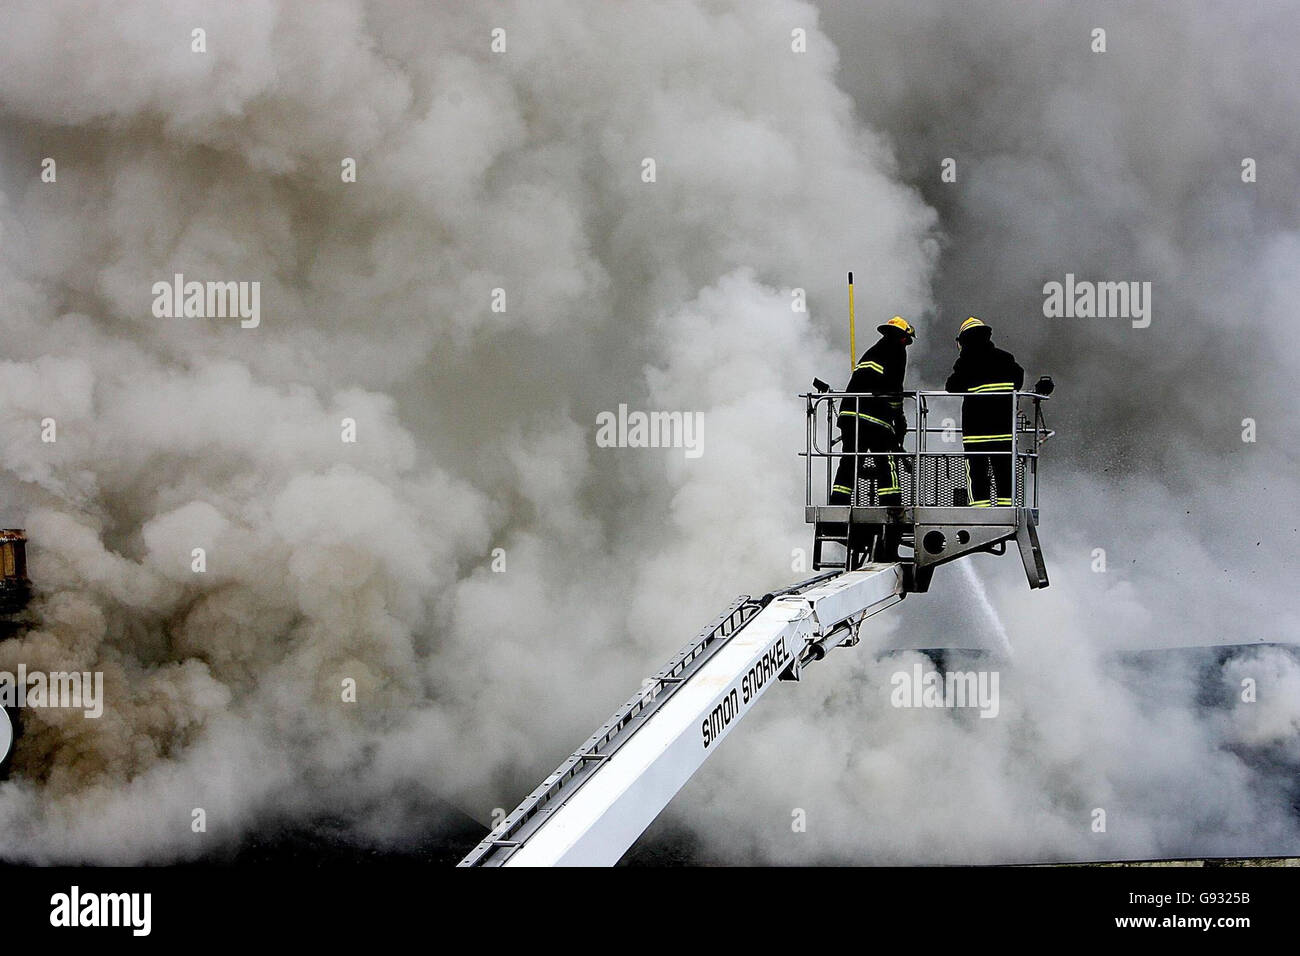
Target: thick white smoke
{"type": "Point", "coordinates": [1117, 166]}
{"type": "Point", "coordinates": [522, 171]}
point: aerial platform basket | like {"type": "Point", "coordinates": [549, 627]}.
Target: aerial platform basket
{"type": "Point", "coordinates": [600, 800]}
{"type": "Point", "coordinates": [933, 517]}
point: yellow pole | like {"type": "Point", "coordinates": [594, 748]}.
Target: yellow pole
{"type": "Point", "coordinates": [853, 345]}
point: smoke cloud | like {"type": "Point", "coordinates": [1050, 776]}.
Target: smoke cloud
{"type": "Point", "coordinates": [500, 272]}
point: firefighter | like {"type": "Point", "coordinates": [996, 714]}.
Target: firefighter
{"type": "Point", "coordinates": [983, 369]}
{"type": "Point", "coordinates": [875, 423]}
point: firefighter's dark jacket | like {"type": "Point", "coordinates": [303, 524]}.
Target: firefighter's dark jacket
{"type": "Point", "coordinates": [881, 371]}
{"type": "Point", "coordinates": [982, 368]}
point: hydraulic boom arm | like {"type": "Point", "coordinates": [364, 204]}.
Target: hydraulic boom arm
{"type": "Point", "coordinates": [595, 805]}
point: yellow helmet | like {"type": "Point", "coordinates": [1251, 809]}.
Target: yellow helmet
{"type": "Point", "coordinates": [900, 323]}
{"type": "Point", "coordinates": [971, 323]}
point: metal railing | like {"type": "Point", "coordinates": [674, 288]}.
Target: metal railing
{"type": "Point", "coordinates": [926, 477]}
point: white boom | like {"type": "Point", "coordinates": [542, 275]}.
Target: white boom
{"type": "Point", "coordinates": [596, 804]}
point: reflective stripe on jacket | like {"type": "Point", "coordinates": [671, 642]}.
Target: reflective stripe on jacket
{"type": "Point", "coordinates": [880, 370]}
{"type": "Point", "coordinates": [984, 369]}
